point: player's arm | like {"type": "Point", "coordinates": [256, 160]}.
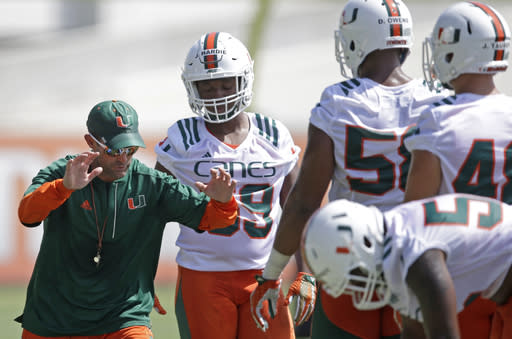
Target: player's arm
{"type": "Point", "coordinates": [429, 279]}
{"type": "Point", "coordinates": [424, 178]}
{"type": "Point", "coordinates": [307, 194]}
{"type": "Point", "coordinates": [305, 197]}
{"type": "Point", "coordinates": [288, 183]}
{"type": "Point", "coordinates": [412, 329]}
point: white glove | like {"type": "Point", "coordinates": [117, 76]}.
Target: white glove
{"type": "Point", "coordinates": [264, 301]}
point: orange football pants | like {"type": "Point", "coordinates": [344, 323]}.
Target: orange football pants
{"type": "Point", "coordinates": [132, 332]}
{"type": "Point", "coordinates": [476, 318]}
{"type": "Point", "coordinates": [338, 318]}
{"type": "Point", "coordinates": [217, 305]}
{"type": "Point", "coordinates": [502, 321]}
{"type": "Point", "coordinates": [346, 321]}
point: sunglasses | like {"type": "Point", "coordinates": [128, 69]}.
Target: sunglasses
{"type": "Point", "coordinates": [116, 152]}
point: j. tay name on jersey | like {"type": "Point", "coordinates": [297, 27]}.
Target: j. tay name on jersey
{"type": "Point", "coordinates": [254, 169]}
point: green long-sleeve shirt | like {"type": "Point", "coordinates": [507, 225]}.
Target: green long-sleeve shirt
{"type": "Point", "coordinates": [68, 293]}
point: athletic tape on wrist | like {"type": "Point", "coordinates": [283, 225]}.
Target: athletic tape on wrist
{"type": "Point", "coordinates": [275, 265]}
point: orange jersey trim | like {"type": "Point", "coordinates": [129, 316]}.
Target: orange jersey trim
{"type": "Point", "coordinates": [35, 206]}
{"type": "Point", "coordinates": [219, 214]}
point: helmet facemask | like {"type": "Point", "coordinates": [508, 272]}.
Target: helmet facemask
{"type": "Point", "coordinates": [367, 287]}
{"type": "Point", "coordinates": [218, 55]}
{"type": "Point", "coordinates": [222, 109]}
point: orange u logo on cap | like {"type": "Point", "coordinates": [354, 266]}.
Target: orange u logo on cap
{"type": "Point", "coordinates": [120, 123]}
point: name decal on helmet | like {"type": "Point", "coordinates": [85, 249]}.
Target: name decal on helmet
{"type": "Point", "coordinates": [213, 51]}
{"type": "Point", "coordinates": [211, 55]}
{"type": "Point", "coordinates": [499, 54]}
{"type": "Point", "coordinates": [393, 21]}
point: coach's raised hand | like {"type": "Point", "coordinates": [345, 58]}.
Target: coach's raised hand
{"type": "Point", "coordinates": [77, 174]}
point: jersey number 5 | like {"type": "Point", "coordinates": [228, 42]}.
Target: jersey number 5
{"type": "Point", "coordinates": [486, 213]}
{"type": "Point", "coordinates": [379, 163]}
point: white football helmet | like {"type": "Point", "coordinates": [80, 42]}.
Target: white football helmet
{"type": "Point", "coordinates": [343, 247]}
{"type": "Point", "coordinates": [368, 25]}
{"type": "Point", "coordinates": [218, 55]}
{"type": "Point", "coordinates": [468, 37]}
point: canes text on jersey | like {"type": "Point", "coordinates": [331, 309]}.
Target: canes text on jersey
{"type": "Point", "coordinates": [237, 169]}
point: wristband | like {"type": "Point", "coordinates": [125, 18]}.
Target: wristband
{"type": "Point", "coordinates": [275, 265]}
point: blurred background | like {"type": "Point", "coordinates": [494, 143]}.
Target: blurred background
{"type": "Point", "coordinates": [58, 58]}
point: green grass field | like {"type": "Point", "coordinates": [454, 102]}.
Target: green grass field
{"type": "Point", "coordinates": [11, 305]}
{"type": "Point", "coordinates": [12, 299]}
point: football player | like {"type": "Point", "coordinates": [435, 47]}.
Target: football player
{"type": "Point", "coordinates": [356, 144]}
{"type": "Point", "coordinates": [427, 259]}
{"type": "Point", "coordinates": [216, 270]}
{"type": "Point", "coordinates": [463, 142]}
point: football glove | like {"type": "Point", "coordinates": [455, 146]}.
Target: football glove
{"type": "Point", "coordinates": [264, 301]}
{"type": "Point", "coordinates": [303, 293]}
{"type": "Point", "coordinates": [158, 307]}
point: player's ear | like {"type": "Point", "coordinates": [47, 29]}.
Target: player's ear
{"type": "Point", "coordinates": [89, 141]}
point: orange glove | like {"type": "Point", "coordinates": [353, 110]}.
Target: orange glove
{"type": "Point", "coordinates": [302, 292]}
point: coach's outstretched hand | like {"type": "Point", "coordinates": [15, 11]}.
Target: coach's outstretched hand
{"type": "Point", "coordinates": [220, 187]}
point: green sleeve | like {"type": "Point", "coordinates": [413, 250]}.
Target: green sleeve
{"type": "Point", "coordinates": [50, 173]}
{"type": "Point", "coordinates": [179, 202]}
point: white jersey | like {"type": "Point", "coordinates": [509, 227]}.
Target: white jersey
{"type": "Point", "coordinates": [472, 137]}
{"type": "Point", "coordinates": [259, 165]}
{"type": "Point", "coordinates": [368, 122]}
{"type": "Point", "coordinates": [474, 232]}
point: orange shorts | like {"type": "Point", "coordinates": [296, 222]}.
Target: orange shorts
{"type": "Point", "coordinates": [132, 332]}
{"type": "Point", "coordinates": [476, 318]}
{"type": "Point", "coordinates": [502, 321]}
{"type": "Point", "coordinates": [217, 305]}
{"type": "Point", "coordinates": [338, 318]}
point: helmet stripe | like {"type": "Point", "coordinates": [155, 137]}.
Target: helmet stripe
{"type": "Point", "coordinates": [393, 11]}
{"type": "Point", "coordinates": [210, 42]}
{"type": "Point", "coordinates": [342, 250]}
{"type": "Point", "coordinates": [499, 29]}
